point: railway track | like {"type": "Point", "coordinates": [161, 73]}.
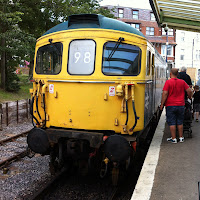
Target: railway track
{"type": "Point", "coordinates": [103, 190]}
{"type": "Point", "coordinates": [86, 188]}
{"type": "Point", "coordinates": [5, 163]}
{"type": "Point", "coordinates": [13, 137]}
{"type": "Point", "coordinates": [113, 194]}
{"type": "Point", "coordinates": [15, 156]}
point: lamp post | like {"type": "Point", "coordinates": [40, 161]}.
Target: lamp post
{"type": "Point", "coordinates": [192, 51]}
{"type": "Point", "coordinates": [166, 30]}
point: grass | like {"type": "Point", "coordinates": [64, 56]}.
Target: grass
{"type": "Point", "coordinates": [23, 93]}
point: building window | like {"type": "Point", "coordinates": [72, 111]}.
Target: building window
{"type": "Point", "coordinates": [135, 14]}
{"type": "Point", "coordinates": [170, 32]}
{"type": "Point", "coordinates": [196, 54]}
{"type": "Point", "coordinates": [169, 50]}
{"type": "Point", "coordinates": [163, 50]}
{"type": "Point", "coordinates": [137, 26]}
{"type": "Point", "coordinates": [197, 37]}
{"type": "Point", "coordinates": [182, 36]}
{"type": "Point", "coordinates": [121, 13]}
{"type": "Point", "coordinates": [182, 54]}
{"type": "Point", "coordinates": [163, 31]}
{"type": "Point", "coordinates": [149, 31]}
{"type": "Point", "coordinates": [153, 17]}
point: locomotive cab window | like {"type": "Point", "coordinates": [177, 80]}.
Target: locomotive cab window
{"type": "Point", "coordinates": [81, 57]}
{"type": "Point", "coordinates": [121, 60]}
{"type": "Point", "coordinates": [49, 59]}
{"type": "Point", "coordinates": [153, 65]}
{"type": "Point", "coordinates": [148, 69]}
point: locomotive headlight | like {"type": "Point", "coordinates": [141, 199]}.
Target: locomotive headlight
{"type": "Point", "coordinates": [119, 90]}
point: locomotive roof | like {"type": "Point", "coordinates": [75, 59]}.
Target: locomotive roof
{"type": "Point", "coordinates": [93, 21]}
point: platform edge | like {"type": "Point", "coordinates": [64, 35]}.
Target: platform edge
{"type": "Point", "coordinates": [145, 181]}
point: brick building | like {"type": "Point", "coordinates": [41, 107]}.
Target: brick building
{"type": "Point", "coordinates": [144, 21]}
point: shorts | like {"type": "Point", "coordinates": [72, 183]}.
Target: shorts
{"type": "Point", "coordinates": [175, 115]}
{"type": "Point", "coordinates": [196, 107]}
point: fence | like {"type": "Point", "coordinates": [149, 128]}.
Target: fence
{"type": "Point", "coordinates": [14, 112]}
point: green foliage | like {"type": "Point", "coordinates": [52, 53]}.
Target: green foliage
{"type": "Point", "coordinates": [12, 80]}
{"type": "Point", "coordinates": [39, 16]}
{"type": "Point", "coordinates": [24, 79]}
{"type": "Point", "coordinates": [22, 21]}
{"type": "Point", "coordinates": [17, 45]}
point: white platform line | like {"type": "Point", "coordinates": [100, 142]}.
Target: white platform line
{"type": "Point", "coordinates": [145, 181]}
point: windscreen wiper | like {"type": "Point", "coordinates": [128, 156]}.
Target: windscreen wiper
{"type": "Point", "coordinates": [55, 47]}
{"type": "Point", "coordinates": [115, 48]}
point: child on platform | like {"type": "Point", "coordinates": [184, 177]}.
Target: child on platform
{"type": "Point", "coordinates": [196, 102]}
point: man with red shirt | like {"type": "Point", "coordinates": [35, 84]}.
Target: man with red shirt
{"type": "Point", "coordinates": [173, 97]}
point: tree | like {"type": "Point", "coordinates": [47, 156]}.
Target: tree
{"type": "Point", "coordinates": [41, 15]}
{"type": "Point", "coordinates": [8, 19]}
{"type": "Point", "coordinates": [15, 44]}
{"type": "Point", "coordinates": [22, 21]}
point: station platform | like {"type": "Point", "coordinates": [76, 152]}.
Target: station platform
{"type": "Point", "coordinates": [170, 171]}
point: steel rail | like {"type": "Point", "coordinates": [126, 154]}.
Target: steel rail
{"type": "Point", "coordinates": [114, 194]}
{"type": "Point", "coordinates": [13, 137]}
{"type": "Point", "coordinates": [9, 160]}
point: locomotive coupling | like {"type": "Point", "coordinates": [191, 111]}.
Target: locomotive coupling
{"type": "Point", "coordinates": [37, 140]}
{"type": "Point", "coordinates": [117, 148]}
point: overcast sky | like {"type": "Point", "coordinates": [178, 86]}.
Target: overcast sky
{"type": "Point", "coordinates": [127, 3]}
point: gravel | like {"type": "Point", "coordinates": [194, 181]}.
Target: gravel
{"type": "Point", "coordinates": [15, 129]}
{"type": "Point", "coordinates": [26, 175]}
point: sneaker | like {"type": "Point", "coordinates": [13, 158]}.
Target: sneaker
{"type": "Point", "coordinates": [172, 140]}
{"type": "Point", "coordinates": [181, 139]}
{"type": "Point", "coordinates": [197, 120]}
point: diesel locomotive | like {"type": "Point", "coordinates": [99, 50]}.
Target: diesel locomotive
{"type": "Point", "coordinates": [97, 85]}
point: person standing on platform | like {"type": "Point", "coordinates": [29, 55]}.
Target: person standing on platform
{"type": "Point", "coordinates": [184, 76]}
{"type": "Point", "coordinates": [196, 102]}
{"type": "Point", "coordinates": [173, 98]}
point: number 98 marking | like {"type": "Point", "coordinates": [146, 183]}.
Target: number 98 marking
{"type": "Point", "coordinates": [86, 59]}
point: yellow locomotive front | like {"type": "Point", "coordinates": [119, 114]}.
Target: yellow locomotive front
{"type": "Point", "coordinates": [87, 87]}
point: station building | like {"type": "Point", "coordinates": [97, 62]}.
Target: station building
{"type": "Point", "coordinates": [188, 52]}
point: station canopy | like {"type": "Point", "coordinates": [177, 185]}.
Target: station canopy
{"type": "Point", "coordinates": [177, 14]}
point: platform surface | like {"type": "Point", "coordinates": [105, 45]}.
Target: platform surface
{"type": "Point", "coordinates": [170, 171]}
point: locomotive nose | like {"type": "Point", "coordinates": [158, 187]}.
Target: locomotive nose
{"type": "Point", "coordinates": [117, 148]}
{"type": "Point", "coordinates": [37, 140]}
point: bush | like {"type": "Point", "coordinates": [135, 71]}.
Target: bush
{"type": "Point", "coordinates": [24, 79]}
{"type": "Point", "coordinates": [12, 80]}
